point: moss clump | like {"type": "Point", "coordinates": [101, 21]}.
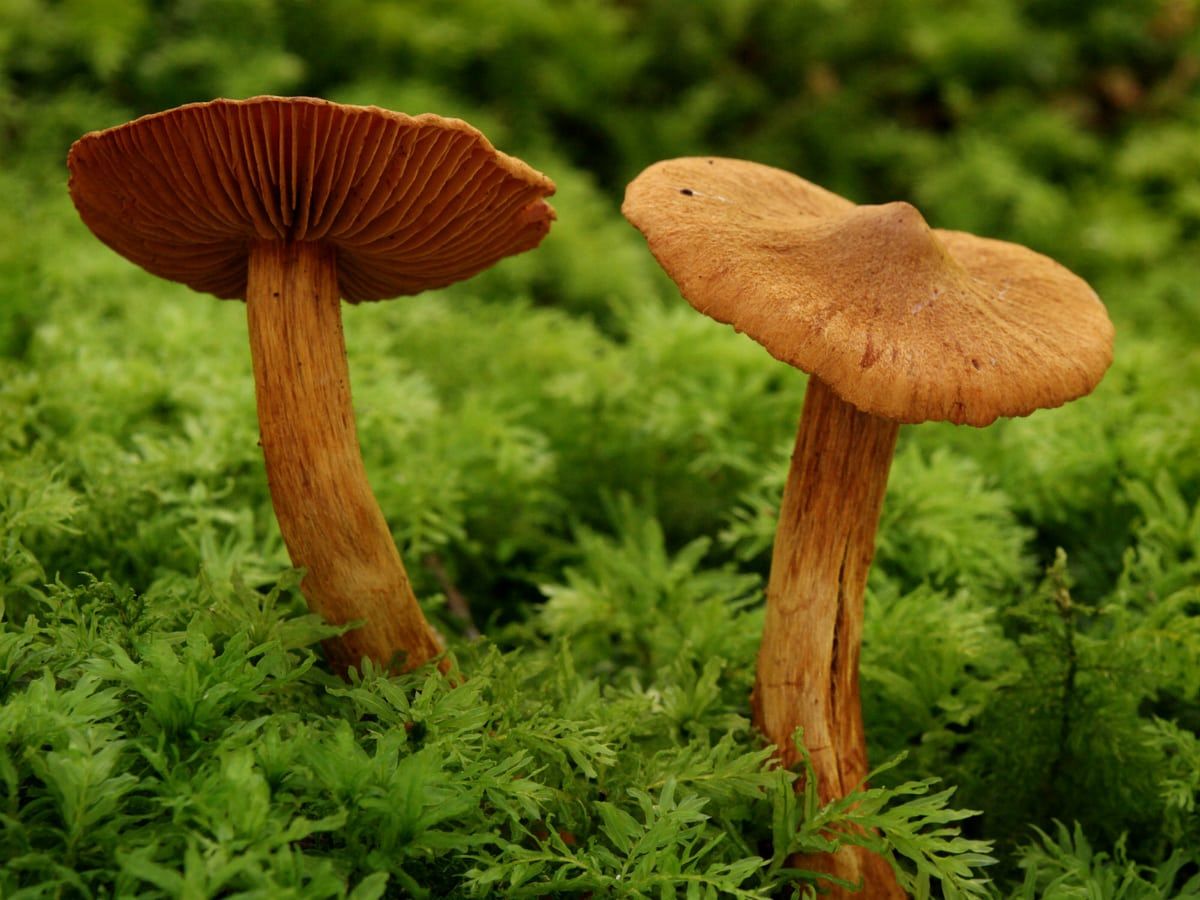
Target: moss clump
{"type": "Point", "coordinates": [596, 469]}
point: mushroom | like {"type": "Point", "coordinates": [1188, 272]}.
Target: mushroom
{"type": "Point", "coordinates": [896, 323]}
{"type": "Point", "coordinates": [292, 204]}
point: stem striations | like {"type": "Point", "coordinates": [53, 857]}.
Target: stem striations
{"type": "Point", "coordinates": [808, 662]}
{"type": "Point", "coordinates": [329, 518]}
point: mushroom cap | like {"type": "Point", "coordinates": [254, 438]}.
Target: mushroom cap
{"type": "Point", "coordinates": [901, 320]}
{"type": "Point", "coordinates": [409, 202]}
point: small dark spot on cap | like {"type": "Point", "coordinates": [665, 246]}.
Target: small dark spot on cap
{"type": "Point", "coordinates": [870, 354]}
{"type": "Point", "coordinates": [976, 363]}
{"type": "Point", "coordinates": [687, 192]}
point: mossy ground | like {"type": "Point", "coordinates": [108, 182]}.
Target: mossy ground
{"type": "Point", "coordinates": [596, 468]}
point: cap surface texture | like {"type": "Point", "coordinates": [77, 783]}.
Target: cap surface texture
{"type": "Point", "coordinates": [903, 321]}
{"type": "Point", "coordinates": [408, 202]}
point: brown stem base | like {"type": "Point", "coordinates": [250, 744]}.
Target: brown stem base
{"type": "Point", "coordinates": [330, 521]}
{"type": "Point", "coordinates": [858, 866]}
{"type": "Point", "coordinates": [808, 662]}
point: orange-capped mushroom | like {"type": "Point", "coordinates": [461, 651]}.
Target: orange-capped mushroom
{"type": "Point", "coordinates": [896, 322]}
{"type": "Point", "coordinates": [293, 204]}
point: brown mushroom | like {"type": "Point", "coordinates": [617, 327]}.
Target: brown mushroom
{"type": "Point", "coordinates": [895, 322]}
{"type": "Point", "coordinates": [292, 204]}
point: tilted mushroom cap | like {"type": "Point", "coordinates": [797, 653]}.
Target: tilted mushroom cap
{"type": "Point", "coordinates": [409, 202]}
{"type": "Point", "coordinates": [902, 321]}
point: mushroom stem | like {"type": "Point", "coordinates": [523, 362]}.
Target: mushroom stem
{"type": "Point", "coordinates": [329, 518]}
{"type": "Point", "coordinates": [808, 662]}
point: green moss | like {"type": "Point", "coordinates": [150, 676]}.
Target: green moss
{"type": "Point", "coordinates": [597, 469]}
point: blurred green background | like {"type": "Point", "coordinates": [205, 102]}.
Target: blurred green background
{"type": "Point", "coordinates": [565, 441]}
{"type": "Point", "coordinates": [1067, 125]}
